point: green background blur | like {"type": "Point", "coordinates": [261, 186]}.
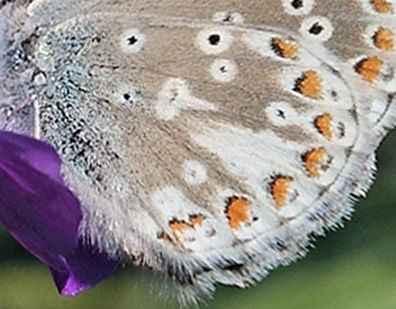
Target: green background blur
{"type": "Point", "coordinates": [352, 268]}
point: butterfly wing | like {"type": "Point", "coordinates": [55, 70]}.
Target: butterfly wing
{"type": "Point", "coordinates": [210, 141]}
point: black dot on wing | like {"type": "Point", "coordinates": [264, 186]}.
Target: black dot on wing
{"type": "Point", "coordinates": [132, 40]}
{"type": "Point", "coordinates": [279, 245]}
{"type": "Point", "coordinates": [214, 39]}
{"type": "Point", "coordinates": [316, 28]}
{"type": "Point", "coordinates": [341, 129]}
{"type": "Point", "coordinates": [297, 4]}
{"type": "Point", "coordinates": [227, 18]}
{"type": "Point", "coordinates": [281, 114]}
{"type": "Point", "coordinates": [4, 2]}
{"type": "Point", "coordinates": [96, 39]}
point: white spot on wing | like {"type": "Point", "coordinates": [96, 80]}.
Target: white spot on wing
{"type": "Point", "coordinates": [132, 41]}
{"type": "Point", "coordinates": [194, 173]}
{"type": "Point", "coordinates": [214, 41]}
{"type": "Point", "coordinates": [317, 28]}
{"type": "Point", "coordinates": [281, 114]}
{"type": "Point", "coordinates": [172, 201]}
{"type": "Point", "coordinates": [227, 17]}
{"type": "Point", "coordinates": [125, 95]}
{"type": "Point", "coordinates": [223, 70]}
{"type": "Point", "coordinates": [175, 96]}
{"type": "Point", "coordinates": [303, 8]}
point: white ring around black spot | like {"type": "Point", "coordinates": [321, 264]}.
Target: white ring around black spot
{"type": "Point", "coordinates": [226, 17]}
{"type": "Point", "coordinates": [281, 114]}
{"type": "Point", "coordinates": [214, 41]}
{"type": "Point", "coordinates": [132, 41]}
{"type": "Point", "coordinates": [223, 70]}
{"type": "Point", "coordinates": [298, 7]}
{"type": "Point", "coordinates": [317, 28]}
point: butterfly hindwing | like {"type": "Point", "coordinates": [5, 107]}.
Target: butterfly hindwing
{"type": "Point", "coordinates": [208, 141]}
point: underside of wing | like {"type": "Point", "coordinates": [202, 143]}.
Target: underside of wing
{"type": "Point", "coordinates": [211, 141]}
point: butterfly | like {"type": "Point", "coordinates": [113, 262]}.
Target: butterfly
{"type": "Point", "coordinates": [210, 141]}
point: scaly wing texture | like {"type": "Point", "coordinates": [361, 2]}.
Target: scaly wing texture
{"type": "Point", "coordinates": [209, 140]}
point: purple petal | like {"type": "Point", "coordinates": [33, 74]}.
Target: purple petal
{"type": "Point", "coordinates": [86, 267]}
{"type": "Point", "coordinates": [43, 215]}
{"type": "Point", "coordinates": [40, 156]}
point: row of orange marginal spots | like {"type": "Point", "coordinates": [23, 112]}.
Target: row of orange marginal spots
{"type": "Point", "coordinates": [238, 208]}
{"type": "Point", "coordinates": [310, 82]}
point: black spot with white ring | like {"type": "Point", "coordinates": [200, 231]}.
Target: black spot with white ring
{"type": "Point", "coordinates": [214, 41]}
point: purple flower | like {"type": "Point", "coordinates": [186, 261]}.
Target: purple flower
{"type": "Point", "coordinates": [43, 215]}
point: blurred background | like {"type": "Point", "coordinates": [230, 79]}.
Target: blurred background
{"type": "Point", "coordinates": [352, 268]}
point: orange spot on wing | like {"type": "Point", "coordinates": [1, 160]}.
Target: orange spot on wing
{"type": "Point", "coordinates": [237, 211]}
{"type": "Point", "coordinates": [369, 68]}
{"type": "Point", "coordinates": [285, 49]}
{"type": "Point", "coordinates": [384, 39]}
{"type": "Point", "coordinates": [309, 85]}
{"type": "Point", "coordinates": [179, 226]}
{"type": "Point", "coordinates": [313, 159]}
{"type": "Point", "coordinates": [280, 189]}
{"type": "Point", "coordinates": [196, 220]}
{"type": "Point", "coordinates": [323, 124]}
{"type": "Point", "coordinates": [382, 6]}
